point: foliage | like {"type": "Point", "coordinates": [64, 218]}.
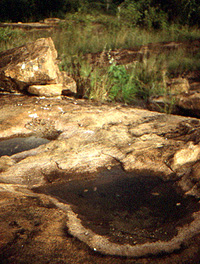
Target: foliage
{"type": "Point", "coordinates": [143, 14]}
{"type": "Point", "coordinates": [118, 83]}
{"type": "Point", "coordinates": [8, 35]}
{"type": "Point", "coordinates": [148, 13]}
{"type": "Point", "coordinates": [121, 85]}
{"type": "Point", "coordinates": [83, 33]}
{"type": "Point", "coordinates": [185, 12]}
{"type": "Point", "coordinates": [29, 10]}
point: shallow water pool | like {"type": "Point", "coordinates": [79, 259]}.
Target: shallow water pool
{"type": "Point", "coordinates": [127, 208]}
{"type": "Point", "coordinates": [12, 146]}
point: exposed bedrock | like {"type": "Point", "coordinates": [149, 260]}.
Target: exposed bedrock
{"type": "Point", "coordinates": [86, 143]}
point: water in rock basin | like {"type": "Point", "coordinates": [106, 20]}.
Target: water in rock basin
{"type": "Point", "coordinates": [15, 145]}
{"type": "Point", "coordinates": [126, 208]}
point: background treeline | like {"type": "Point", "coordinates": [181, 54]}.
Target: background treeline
{"type": "Point", "coordinates": [33, 10]}
{"type": "Point", "coordinates": [154, 13]}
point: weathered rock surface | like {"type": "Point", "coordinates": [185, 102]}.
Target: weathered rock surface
{"type": "Point", "coordinates": [46, 90]}
{"type": "Point", "coordinates": [187, 104]}
{"type": "Point", "coordinates": [182, 98]}
{"type": "Point", "coordinates": [178, 85]}
{"type": "Point", "coordinates": [32, 64]}
{"type": "Point", "coordinates": [87, 138]}
{"type": "Point", "coordinates": [33, 230]}
{"type": "Point", "coordinates": [43, 25]}
{"type": "Point", "coordinates": [190, 103]}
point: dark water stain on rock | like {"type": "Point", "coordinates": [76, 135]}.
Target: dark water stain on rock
{"type": "Point", "coordinates": [125, 208]}
{"type": "Point", "coordinates": [15, 145]}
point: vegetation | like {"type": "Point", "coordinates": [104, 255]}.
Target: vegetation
{"type": "Point", "coordinates": [148, 13]}
{"type": "Point", "coordinates": [102, 26]}
{"type": "Point", "coordinates": [83, 34]}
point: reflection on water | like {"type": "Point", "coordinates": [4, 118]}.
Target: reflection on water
{"type": "Point", "coordinates": [126, 208]}
{"type": "Point", "coordinates": [15, 145]}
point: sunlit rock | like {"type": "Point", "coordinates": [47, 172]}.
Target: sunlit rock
{"type": "Point", "coordinates": [46, 90]}
{"type": "Point", "coordinates": [124, 181]}
{"type": "Point", "coordinates": [32, 64]}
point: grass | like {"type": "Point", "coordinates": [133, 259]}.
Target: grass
{"type": "Point", "coordinates": [11, 38]}
{"type": "Point", "coordinates": [80, 34]}
{"type": "Point", "coordinates": [183, 62]}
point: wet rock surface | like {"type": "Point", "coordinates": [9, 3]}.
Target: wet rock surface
{"type": "Point", "coordinates": [87, 138]}
{"type": "Point", "coordinates": [12, 146]}
{"type": "Point", "coordinates": [126, 208]}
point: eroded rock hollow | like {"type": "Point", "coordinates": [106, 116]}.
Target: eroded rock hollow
{"type": "Point", "coordinates": [124, 181]}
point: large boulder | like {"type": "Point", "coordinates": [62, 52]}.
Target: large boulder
{"type": "Point", "coordinates": [31, 64]}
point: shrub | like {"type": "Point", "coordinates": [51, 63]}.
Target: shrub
{"type": "Point", "coordinates": [143, 14]}
{"type": "Point", "coordinates": [131, 13]}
